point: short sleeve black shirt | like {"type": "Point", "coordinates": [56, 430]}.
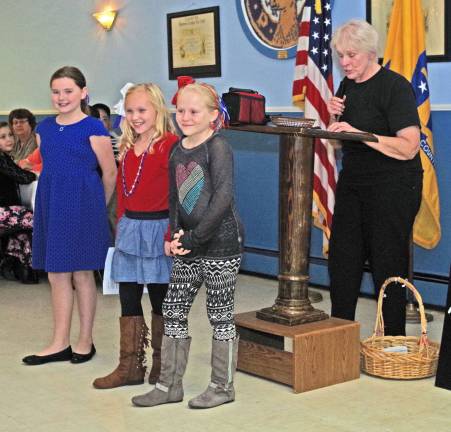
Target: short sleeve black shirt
{"type": "Point", "coordinates": [382, 105]}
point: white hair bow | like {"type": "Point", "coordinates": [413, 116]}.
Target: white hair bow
{"type": "Point", "coordinates": [119, 107]}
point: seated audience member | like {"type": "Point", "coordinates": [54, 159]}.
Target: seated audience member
{"type": "Point", "coordinates": [22, 123]}
{"type": "Point", "coordinates": [115, 134]}
{"type": "Point", "coordinates": [93, 111]}
{"type": "Point", "coordinates": [16, 221]}
{"type": "Point", "coordinates": [32, 163]}
{"type": "Point", "coordinates": [105, 116]}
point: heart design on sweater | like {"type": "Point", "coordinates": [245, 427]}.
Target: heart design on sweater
{"type": "Point", "coordinates": [190, 181]}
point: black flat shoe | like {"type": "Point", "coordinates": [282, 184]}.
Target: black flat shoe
{"type": "Point", "coordinates": [81, 358]}
{"type": "Point", "coordinates": [64, 355]}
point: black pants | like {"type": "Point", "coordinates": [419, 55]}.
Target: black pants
{"type": "Point", "coordinates": [374, 223]}
{"type": "Point", "coordinates": [130, 295]}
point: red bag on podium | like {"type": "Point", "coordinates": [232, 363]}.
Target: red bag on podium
{"type": "Point", "coordinates": [245, 106]}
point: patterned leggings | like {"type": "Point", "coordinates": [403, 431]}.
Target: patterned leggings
{"type": "Point", "coordinates": [13, 221]}
{"type": "Point", "coordinates": [187, 277]}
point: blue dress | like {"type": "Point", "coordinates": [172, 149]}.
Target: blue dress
{"type": "Point", "coordinates": [70, 230]}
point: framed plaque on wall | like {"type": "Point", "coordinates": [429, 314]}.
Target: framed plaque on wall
{"type": "Point", "coordinates": [437, 21]}
{"type": "Point", "coordinates": [194, 43]}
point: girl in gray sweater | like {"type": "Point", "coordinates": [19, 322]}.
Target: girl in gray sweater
{"type": "Point", "coordinates": [206, 242]}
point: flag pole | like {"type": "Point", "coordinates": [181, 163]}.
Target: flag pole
{"type": "Point", "coordinates": [412, 312]}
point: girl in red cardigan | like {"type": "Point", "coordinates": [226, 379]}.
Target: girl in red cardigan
{"type": "Point", "coordinates": [141, 251]}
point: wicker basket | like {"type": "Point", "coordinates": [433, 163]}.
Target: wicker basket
{"type": "Point", "coordinates": [421, 358]}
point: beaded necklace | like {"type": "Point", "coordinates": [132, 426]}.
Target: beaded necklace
{"type": "Point", "coordinates": [138, 174]}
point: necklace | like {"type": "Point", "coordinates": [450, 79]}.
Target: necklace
{"type": "Point", "coordinates": [128, 193]}
{"type": "Point", "coordinates": [61, 127]}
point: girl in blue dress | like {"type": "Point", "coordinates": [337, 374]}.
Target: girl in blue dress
{"type": "Point", "coordinates": [71, 235]}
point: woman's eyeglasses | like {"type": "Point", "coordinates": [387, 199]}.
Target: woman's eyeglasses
{"type": "Point", "coordinates": [17, 122]}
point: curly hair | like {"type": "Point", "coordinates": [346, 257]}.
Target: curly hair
{"type": "Point", "coordinates": [22, 113]}
{"type": "Point", "coordinates": [357, 34]}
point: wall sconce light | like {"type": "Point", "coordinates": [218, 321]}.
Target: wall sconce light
{"type": "Point", "coordinates": [105, 18]}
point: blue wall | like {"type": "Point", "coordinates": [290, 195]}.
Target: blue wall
{"type": "Point", "coordinates": [49, 34]}
{"type": "Point", "coordinates": [256, 169]}
{"type": "Point", "coordinates": [257, 187]}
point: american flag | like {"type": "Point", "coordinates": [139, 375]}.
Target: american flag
{"type": "Point", "coordinates": [312, 88]}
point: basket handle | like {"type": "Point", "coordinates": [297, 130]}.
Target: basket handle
{"type": "Point", "coordinates": [379, 327]}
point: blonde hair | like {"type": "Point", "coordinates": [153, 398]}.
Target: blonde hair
{"type": "Point", "coordinates": [356, 34]}
{"type": "Point", "coordinates": [210, 97]}
{"type": "Point", "coordinates": [163, 121]}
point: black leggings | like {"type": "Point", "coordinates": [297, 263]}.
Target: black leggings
{"type": "Point", "coordinates": [130, 294]}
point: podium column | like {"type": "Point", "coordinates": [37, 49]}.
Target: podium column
{"type": "Point", "coordinates": [292, 305]}
{"type": "Point", "coordinates": [296, 157]}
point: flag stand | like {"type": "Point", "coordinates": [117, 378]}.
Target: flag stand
{"type": "Point", "coordinates": [314, 296]}
{"type": "Point", "coordinates": [412, 312]}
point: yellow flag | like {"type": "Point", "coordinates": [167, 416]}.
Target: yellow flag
{"type": "Point", "coordinates": [405, 53]}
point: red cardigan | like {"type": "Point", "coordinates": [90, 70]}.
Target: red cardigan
{"type": "Point", "coordinates": [151, 192]}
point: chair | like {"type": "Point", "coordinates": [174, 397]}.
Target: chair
{"type": "Point", "coordinates": [28, 194]}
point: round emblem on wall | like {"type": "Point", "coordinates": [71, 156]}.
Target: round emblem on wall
{"type": "Point", "coordinates": [271, 25]}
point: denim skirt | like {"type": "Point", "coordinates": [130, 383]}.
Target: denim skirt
{"type": "Point", "coordinates": [139, 252]}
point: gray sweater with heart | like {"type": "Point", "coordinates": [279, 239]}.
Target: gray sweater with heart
{"type": "Point", "coordinates": [201, 199]}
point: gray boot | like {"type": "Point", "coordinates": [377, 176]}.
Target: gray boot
{"type": "Point", "coordinates": [224, 357]}
{"type": "Point", "coordinates": [169, 387]}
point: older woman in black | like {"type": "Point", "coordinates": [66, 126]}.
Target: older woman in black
{"type": "Point", "coordinates": [379, 188]}
{"type": "Point", "coordinates": [16, 221]}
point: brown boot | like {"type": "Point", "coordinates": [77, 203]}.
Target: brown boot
{"type": "Point", "coordinates": [157, 327]}
{"type": "Point", "coordinates": [131, 369]}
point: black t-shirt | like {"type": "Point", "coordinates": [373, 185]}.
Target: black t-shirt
{"type": "Point", "coordinates": [383, 105]}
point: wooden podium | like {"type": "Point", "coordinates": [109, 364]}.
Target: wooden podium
{"type": "Point", "coordinates": [296, 161]}
{"type": "Point", "coordinates": [291, 342]}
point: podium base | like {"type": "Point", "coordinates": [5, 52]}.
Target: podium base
{"type": "Point", "coordinates": [288, 317]}
{"type": "Point", "coordinates": [306, 357]}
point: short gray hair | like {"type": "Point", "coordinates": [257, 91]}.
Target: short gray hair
{"type": "Point", "coordinates": [357, 34]}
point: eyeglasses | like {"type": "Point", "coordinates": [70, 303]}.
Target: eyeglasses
{"type": "Point", "coordinates": [17, 122]}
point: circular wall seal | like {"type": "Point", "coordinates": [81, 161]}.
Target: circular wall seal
{"type": "Point", "coordinates": [271, 25]}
